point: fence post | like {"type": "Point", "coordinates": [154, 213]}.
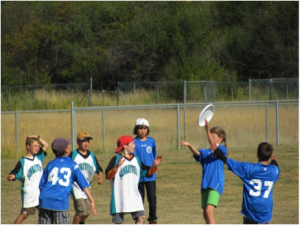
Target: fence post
{"type": "Point", "coordinates": [184, 92]}
{"type": "Point", "coordinates": [17, 139]}
{"type": "Point", "coordinates": [26, 99]}
{"type": "Point", "coordinates": [184, 122]}
{"type": "Point", "coordinates": [249, 90]}
{"type": "Point", "coordinates": [277, 123]}
{"type": "Point", "coordinates": [134, 93]}
{"type": "Point", "coordinates": [271, 87]}
{"type": "Point", "coordinates": [73, 125]}
{"type": "Point", "coordinates": [103, 128]}
{"type": "Point", "coordinates": [204, 91]}
{"type": "Point", "coordinates": [9, 109]}
{"type": "Point", "coordinates": [267, 128]}
{"type": "Point", "coordinates": [157, 92]}
{"type": "Point", "coordinates": [118, 95]}
{"type": "Point", "coordinates": [91, 91]}
{"type": "Point", "coordinates": [178, 128]}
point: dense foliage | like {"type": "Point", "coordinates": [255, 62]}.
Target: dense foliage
{"type": "Point", "coordinates": [68, 42]}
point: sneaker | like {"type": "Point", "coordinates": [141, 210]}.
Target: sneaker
{"type": "Point", "coordinates": [153, 222]}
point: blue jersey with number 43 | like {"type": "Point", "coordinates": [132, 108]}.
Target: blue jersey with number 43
{"type": "Point", "coordinates": [258, 180]}
{"type": "Point", "coordinates": [56, 183]}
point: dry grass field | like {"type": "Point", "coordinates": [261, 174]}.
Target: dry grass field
{"type": "Point", "coordinates": [178, 190]}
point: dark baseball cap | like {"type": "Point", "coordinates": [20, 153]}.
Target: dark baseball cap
{"type": "Point", "coordinates": [60, 144]}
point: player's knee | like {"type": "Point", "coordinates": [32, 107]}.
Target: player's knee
{"type": "Point", "coordinates": [140, 220]}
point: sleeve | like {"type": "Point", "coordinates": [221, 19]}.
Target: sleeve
{"type": "Point", "coordinates": [154, 149]}
{"type": "Point", "coordinates": [17, 171]}
{"type": "Point", "coordinates": [43, 180]}
{"type": "Point", "coordinates": [79, 178]}
{"type": "Point", "coordinates": [147, 171]}
{"type": "Point", "coordinates": [238, 168]}
{"type": "Point", "coordinates": [110, 169]}
{"type": "Point", "coordinates": [220, 154]}
{"type": "Point", "coordinates": [41, 154]}
{"type": "Point", "coordinates": [198, 158]}
{"type": "Point", "coordinates": [274, 163]}
{"type": "Point", "coordinates": [98, 167]}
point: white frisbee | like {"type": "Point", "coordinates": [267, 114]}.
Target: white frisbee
{"type": "Point", "coordinates": [207, 113]}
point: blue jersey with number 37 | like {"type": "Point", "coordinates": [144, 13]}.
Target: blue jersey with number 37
{"type": "Point", "coordinates": [56, 183]}
{"type": "Point", "coordinates": [259, 180]}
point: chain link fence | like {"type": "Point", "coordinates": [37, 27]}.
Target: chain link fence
{"type": "Point", "coordinates": [246, 124]}
{"type": "Point", "coordinates": [142, 93]}
{"type": "Point", "coordinates": [41, 97]}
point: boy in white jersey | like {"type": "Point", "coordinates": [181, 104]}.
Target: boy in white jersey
{"type": "Point", "coordinates": [29, 171]}
{"type": "Point", "coordinates": [89, 165]}
{"type": "Point", "coordinates": [124, 171]}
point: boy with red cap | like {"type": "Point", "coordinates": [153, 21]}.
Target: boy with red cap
{"type": "Point", "coordinates": [56, 183]}
{"type": "Point", "coordinates": [124, 171]}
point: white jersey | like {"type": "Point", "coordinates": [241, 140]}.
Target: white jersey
{"type": "Point", "coordinates": [125, 194]}
{"type": "Point", "coordinates": [88, 165]}
{"type": "Point", "coordinates": [29, 171]}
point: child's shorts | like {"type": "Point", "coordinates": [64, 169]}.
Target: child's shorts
{"type": "Point", "coordinates": [247, 221]}
{"type": "Point", "coordinates": [119, 217]}
{"type": "Point", "coordinates": [47, 216]}
{"type": "Point", "coordinates": [82, 207]}
{"type": "Point", "coordinates": [209, 197]}
{"type": "Point", "coordinates": [28, 211]}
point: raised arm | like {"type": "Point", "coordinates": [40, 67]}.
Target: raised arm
{"type": "Point", "coordinates": [43, 143]}
{"type": "Point", "coordinates": [209, 136]}
{"type": "Point", "coordinates": [273, 161]}
{"type": "Point", "coordinates": [111, 169]}
{"type": "Point", "coordinates": [191, 147]}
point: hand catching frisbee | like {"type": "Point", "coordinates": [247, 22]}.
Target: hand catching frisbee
{"type": "Point", "coordinates": [207, 113]}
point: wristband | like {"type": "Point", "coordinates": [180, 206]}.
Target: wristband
{"type": "Point", "coordinates": [38, 137]}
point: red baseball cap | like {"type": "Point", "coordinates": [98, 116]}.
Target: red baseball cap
{"type": "Point", "coordinates": [123, 140]}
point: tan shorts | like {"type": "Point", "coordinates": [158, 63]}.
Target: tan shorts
{"type": "Point", "coordinates": [28, 211]}
{"type": "Point", "coordinates": [82, 207]}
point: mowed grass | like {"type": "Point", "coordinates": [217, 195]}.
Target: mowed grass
{"type": "Point", "coordinates": [178, 190]}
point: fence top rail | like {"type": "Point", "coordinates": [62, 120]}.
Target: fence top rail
{"type": "Point", "coordinates": [165, 106]}
{"type": "Point", "coordinates": [37, 111]}
{"type": "Point", "coordinates": [45, 85]}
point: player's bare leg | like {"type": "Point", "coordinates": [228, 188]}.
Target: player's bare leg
{"type": "Point", "coordinates": [140, 220]}
{"type": "Point", "coordinates": [209, 211]}
{"type": "Point", "coordinates": [20, 219]}
{"type": "Point", "coordinates": [78, 219]}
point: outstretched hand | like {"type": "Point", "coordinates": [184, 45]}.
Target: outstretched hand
{"type": "Point", "coordinates": [157, 161]}
{"type": "Point", "coordinates": [273, 157]}
{"type": "Point", "coordinates": [185, 143]}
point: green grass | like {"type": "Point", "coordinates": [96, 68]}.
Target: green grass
{"type": "Point", "coordinates": [178, 190]}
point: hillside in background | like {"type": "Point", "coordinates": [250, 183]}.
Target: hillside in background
{"type": "Point", "coordinates": [69, 42]}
